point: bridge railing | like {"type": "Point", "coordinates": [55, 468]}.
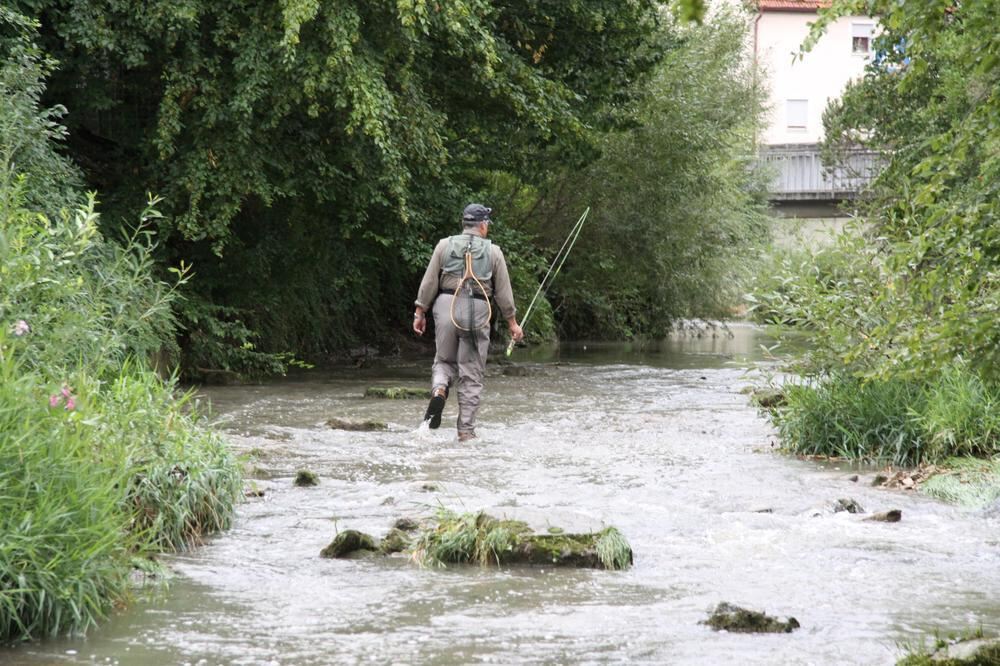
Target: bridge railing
{"type": "Point", "coordinates": [799, 173]}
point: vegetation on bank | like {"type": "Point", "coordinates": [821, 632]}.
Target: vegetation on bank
{"type": "Point", "coordinates": [100, 463]}
{"type": "Point", "coordinates": [906, 362]}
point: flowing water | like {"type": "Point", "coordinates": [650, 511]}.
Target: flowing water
{"type": "Point", "coordinates": [659, 442]}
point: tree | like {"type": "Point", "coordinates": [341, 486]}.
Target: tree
{"type": "Point", "coordinates": [929, 293]}
{"type": "Point", "coordinates": [310, 153]}
{"type": "Point", "coordinates": [678, 206]}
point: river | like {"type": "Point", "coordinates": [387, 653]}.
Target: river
{"type": "Point", "coordinates": [657, 441]}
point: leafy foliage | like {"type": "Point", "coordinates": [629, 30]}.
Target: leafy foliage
{"type": "Point", "coordinates": [27, 134]}
{"type": "Point", "coordinates": [310, 154]}
{"type": "Point", "coordinates": [931, 293]}
{"type": "Point", "coordinates": [99, 462]}
{"type": "Point", "coordinates": [907, 362]}
{"type": "Point", "coordinates": [677, 207]}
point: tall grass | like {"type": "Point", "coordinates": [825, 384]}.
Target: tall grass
{"type": "Point", "coordinates": [182, 479]}
{"type": "Point", "coordinates": [902, 421]}
{"type": "Point", "coordinates": [64, 542]}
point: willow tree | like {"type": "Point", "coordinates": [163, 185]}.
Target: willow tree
{"type": "Point", "coordinates": [309, 153]}
{"type": "Point", "coordinates": [678, 204]}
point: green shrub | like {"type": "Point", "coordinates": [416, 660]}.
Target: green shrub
{"type": "Point", "coordinates": [64, 543]}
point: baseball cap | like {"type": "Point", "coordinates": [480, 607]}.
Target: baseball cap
{"type": "Point", "coordinates": [476, 213]}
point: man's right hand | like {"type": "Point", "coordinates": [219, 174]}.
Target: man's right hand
{"type": "Point", "coordinates": [419, 323]}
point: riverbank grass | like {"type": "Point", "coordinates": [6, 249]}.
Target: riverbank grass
{"type": "Point", "coordinates": [899, 421]}
{"type": "Point", "coordinates": [102, 462]}
{"type": "Point", "coordinates": [65, 544]}
{"type": "Point", "coordinates": [969, 482]}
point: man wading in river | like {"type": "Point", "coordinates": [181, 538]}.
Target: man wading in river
{"type": "Point", "coordinates": [464, 272]}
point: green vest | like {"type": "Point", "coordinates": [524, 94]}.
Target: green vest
{"type": "Point", "coordinates": [481, 250]}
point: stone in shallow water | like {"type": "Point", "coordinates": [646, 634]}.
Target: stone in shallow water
{"type": "Point", "coordinates": [347, 542]}
{"type": "Point", "coordinates": [891, 516]}
{"type": "Point", "coordinates": [397, 393]}
{"type": "Point", "coordinates": [304, 478]}
{"type": "Point", "coordinates": [356, 426]}
{"type": "Point", "coordinates": [768, 398]}
{"type": "Point", "coordinates": [847, 504]}
{"type": "Point", "coordinates": [731, 618]}
{"type": "Point", "coordinates": [477, 538]}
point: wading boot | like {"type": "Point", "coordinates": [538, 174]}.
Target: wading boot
{"type": "Point", "coordinates": [435, 407]}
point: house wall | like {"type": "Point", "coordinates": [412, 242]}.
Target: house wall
{"type": "Point", "coordinates": [819, 77]}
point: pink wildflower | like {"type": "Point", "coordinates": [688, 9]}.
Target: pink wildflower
{"type": "Point", "coordinates": [21, 328]}
{"type": "Point", "coordinates": [70, 404]}
{"type": "Point", "coordinates": [54, 400]}
{"type": "Point", "coordinates": [66, 393]}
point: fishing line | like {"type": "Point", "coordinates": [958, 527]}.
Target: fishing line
{"type": "Point", "coordinates": [557, 264]}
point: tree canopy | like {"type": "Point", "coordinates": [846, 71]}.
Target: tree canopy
{"type": "Point", "coordinates": [928, 292]}
{"type": "Point", "coordinates": [310, 154]}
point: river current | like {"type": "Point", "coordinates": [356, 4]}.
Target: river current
{"type": "Point", "coordinates": [660, 442]}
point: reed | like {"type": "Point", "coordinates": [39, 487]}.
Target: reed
{"type": "Point", "coordinates": [64, 537]}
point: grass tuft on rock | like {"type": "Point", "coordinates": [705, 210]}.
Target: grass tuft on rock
{"type": "Point", "coordinates": [613, 549]}
{"type": "Point", "coordinates": [478, 538]}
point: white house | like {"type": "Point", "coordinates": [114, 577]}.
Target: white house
{"type": "Point", "coordinates": [801, 88]}
{"type": "Point", "coordinates": [801, 85]}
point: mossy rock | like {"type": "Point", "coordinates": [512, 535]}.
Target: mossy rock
{"type": "Point", "coordinates": [485, 540]}
{"type": "Point", "coordinates": [304, 478]}
{"type": "Point", "coordinates": [397, 393]}
{"type": "Point", "coordinates": [407, 524]}
{"type": "Point", "coordinates": [348, 542]}
{"type": "Point", "coordinates": [357, 426]}
{"type": "Point", "coordinates": [727, 617]}
{"type": "Point", "coordinates": [768, 398]}
{"type": "Point", "coordinates": [396, 541]}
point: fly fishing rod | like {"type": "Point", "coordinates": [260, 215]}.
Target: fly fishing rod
{"type": "Point", "coordinates": [557, 264]}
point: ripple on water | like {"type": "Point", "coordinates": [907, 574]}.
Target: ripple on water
{"type": "Point", "coordinates": [670, 455]}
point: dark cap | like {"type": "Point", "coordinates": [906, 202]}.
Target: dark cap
{"type": "Point", "coordinates": [476, 213]}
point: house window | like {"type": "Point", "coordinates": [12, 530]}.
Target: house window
{"type": "Point", "coordinates": [796, 114]}
{"type": "Point", "coordinates": [861, 38]}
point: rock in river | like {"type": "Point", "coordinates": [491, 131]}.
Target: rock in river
{"type": "Point", "coordinates": [727, 617]}
{"type": "Point", "coordinates": [356, 426]}
{"type": "Point", "coordinates": [397, 393]}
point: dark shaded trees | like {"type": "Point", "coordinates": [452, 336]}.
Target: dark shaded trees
{"type": "Point", "coordinates": [309, 153]}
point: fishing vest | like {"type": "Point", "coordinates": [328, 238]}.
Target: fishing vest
{"type": "Point", "coordinates": [482, 259]}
